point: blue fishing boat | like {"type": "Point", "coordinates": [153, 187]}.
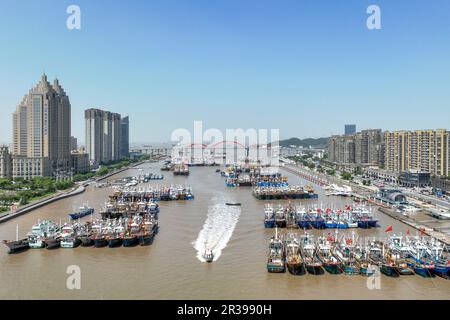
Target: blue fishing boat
{"type": "Point", "coordinates": [303, 220]}
{"type": "Point", "coordinates": [423, 270]}
{"type": "Point", "coordinates": [318, 222]}
{"type": "Point", "coordinates": [82, 212]}
{"type": "Point", "coordinates": [330, 224]}
{"type": "Point", "coordinates": [418, 262]}
{"type": "Point", "coordinates": [364, 224]}
{"type": "Point", "coordinates": [373, 223]}
{"type": "Point", "coordinates": [341, 224]}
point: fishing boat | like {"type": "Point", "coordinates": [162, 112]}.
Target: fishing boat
{"type": "Point", "coordinates": [308, 250]}
{"type": "Point", "coordinates": [280, 218]}
{"type": "Point", "coordinates": [52, 242]}
{"type": "Point", "coordinates": [377, 257]}
{"type": "Point", "coordinates": [97, 236]}
{"type": "Point", "coordinates": [294, 259]}
{"type": "Point", "coordinates": [435, 255]}
{"type": "Point", "coordinates": [317, 221]}
{"type": "Point", "coordinates": [276, 260]}
{"type": "Point", "coordinates": [303, 219]}
{"type": "Point", "coordinates": [82, 212]}
{"type": "Point", "coordinates": [68, 237]}
{"type": "Point", "coordinates": [181, 170]}
{"type": "Point", "coordinates": [130, 239]}
{"type": "Point", "coordinates": [208, 255]}
{"type": "Point", "coordinates": [366, 268]}
{"type": "Point", "coordinates": [397, 254]}
{"type": "Point", "coordinates": [84, 235]}
{"type": "Point", "coordinates": [326, 255]}
{"type": "Point", "coordinates": [114, 236]}
{"type": "Point", "coordinates": [36, 237]}
{"type": "Point", "coordinates": [16, 246]}
{"type": "Point", "coordinates": [345, 252]}
{"type": "Point", "coordinates": [422, 267]}
{"type": "Point", "coordinates": [153, 208]}
{"type": "Point", "coordinates": [269, 217]}
{"type": "Point", "coordinates": [149, 229]}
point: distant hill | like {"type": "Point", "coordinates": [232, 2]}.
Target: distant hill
{"type": "Point", "coordinates": [305, 143]}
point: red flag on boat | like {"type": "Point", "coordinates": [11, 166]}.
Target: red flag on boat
{"type": "Point", "coordinates": [408, 232]}
{"type": "Point", "coordinates": [389, 229]}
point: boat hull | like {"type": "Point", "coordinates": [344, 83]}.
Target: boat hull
{"type": "Point", "coordinates": [269, 224]}
{"type": "Point", "coordinates": [315, 270]}
{"type": "Point", "coordinates": [52, 244]}
{"type": "Point", "coordinates": [146, 240]}
{"type": "Point", "coordinates": [86, 242]}
{"type": "Point", "coordinates": [304, 224]}
{"type": "Point", "coordinates": [130, 242]}
{"type": "Point", "coordinates": [389, 271]}
{"type": "Point", "coordinates": [17, 246]}
{"type": "Point", "coordinates": [296, 269]}
{"type": "Point", "coordinates": [70, 244]}
{"type": "Point", "coordinates": [333, 268]}
{"type": "Point", "coordinates": [318, 224]}
{"type": "Point", "coordinates": [100, 242]}
{"type": "Point", "coordinates": [114, 242]}
{"type": "Point", "coordinates": [280, 223]}
{"type": "Point", "coordinates": [275, 268]}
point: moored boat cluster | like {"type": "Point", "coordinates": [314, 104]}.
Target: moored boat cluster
{"type": "Point", "coordinates": [290, 216]}
{"type": "Point", "coordinates": [128, 220]}
{"type": "Point", "coordinates": [284, 193]}
{"type": "Point", "coordinates": [154, 193]}
{"type": "Point", "coordinates": [394, 257]}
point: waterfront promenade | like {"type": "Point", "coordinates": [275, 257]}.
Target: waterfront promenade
{"type": "Point", "coordinates": [80, 188]}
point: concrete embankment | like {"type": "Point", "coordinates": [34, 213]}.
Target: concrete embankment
{"type": "Point", "coordinates": [42, 202]}
{"type": "Point", "coordinates": [416, 225]}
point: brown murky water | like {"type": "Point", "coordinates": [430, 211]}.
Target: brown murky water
{"type": "Point", "coordinates": [170, 269]}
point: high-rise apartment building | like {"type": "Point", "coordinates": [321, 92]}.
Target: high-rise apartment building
{"type": "Point", "coordinates": [362, 148]}
{"type": "Point", "coordinates": [41, 129]}
{"type": "Point", "coordinates": [124, 138]}
{"type": "Point", "coordinates": [420, 150]}
{"type": "Point", "coordinates": [103, 130]}
{"type": "Point", "coordinates": [350, 129]}
{"type": "Point", "coordinates": [73, 144]}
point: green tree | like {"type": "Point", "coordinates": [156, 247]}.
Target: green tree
{"type": "Point", "coordinates": [346, 175]}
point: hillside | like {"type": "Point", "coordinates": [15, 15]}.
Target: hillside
{"type": "Point", "coordinates": [305, 143]}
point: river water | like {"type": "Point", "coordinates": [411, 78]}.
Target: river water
{"type": "Point", "coordinates": [172, 268]}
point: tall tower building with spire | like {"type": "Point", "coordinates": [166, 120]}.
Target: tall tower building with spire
{"type": "Point", "coordinates": [41, 131]}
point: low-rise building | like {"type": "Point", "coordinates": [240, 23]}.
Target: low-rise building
{"type": "Point", "coordinates": [414, 179]}
{"type": "Point", "coordinates": [380, 174]}
{"type": "Point", "coordinates": [442, 183]}
{"type": "Point", "coordinates": [28, 168]}
{"type": "Point", "coordinates": [80, 162]}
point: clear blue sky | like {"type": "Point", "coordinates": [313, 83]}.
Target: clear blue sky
{"type": "Point", "coordinates": [305, 67]}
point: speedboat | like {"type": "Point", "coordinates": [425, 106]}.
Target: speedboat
{"type": "Point", "coordinates": [208, 255]}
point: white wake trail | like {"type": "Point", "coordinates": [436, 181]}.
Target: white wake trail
{"type": "Point", "coordinates": [217, 230]}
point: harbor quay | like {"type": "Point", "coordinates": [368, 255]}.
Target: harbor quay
{"type": "Point", "coordinates": [202, 240]}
